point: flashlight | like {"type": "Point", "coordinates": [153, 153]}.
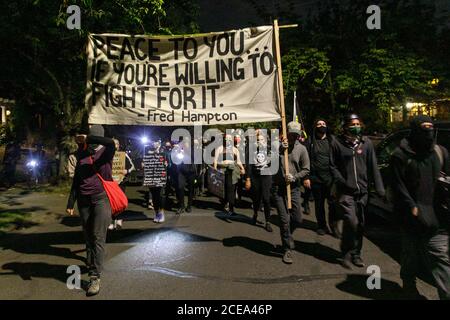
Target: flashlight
{"type": "Point", "coordinates": [32, 163]}
{"type": "Point", "coordinates": [144, 140]}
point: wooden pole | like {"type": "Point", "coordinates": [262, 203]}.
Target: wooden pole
{"type": "Point", "coordinates": [283, 112]}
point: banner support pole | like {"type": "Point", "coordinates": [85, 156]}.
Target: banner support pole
{"type": "Point", "coordinates": [283, 111]}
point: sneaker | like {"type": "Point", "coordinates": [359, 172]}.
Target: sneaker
{"type": "Point", "coordinates": [357, 261]}
{"type": "Point", "coordinates": [189, 209]}
{"type": "Point", "coordinates": [118, 224]}
{"type": "Point", "coordinates": [93, 287]}
{"type": "Point", "coordinates": [156, 218]}
{"type": "Point", "coordinates": [287, 257]}
{"type": "Point", "coordinates": [111, 226]}
{"type": "Point", "coordinates": [321, 232]}
{"type": "Point", "coordinates": [180, 210]}
{"type": "Point", "coordinates": [268, 227]}
{"type": "Point", "coordinates": [160, 217]}
{"type": "Point", "coordinates": [226, 208]}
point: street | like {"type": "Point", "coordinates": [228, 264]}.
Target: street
{"type": "Point", "coordinates": [199, 255]}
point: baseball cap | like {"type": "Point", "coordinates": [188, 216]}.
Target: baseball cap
{"type": "Point", "coordinates": [294, 127]}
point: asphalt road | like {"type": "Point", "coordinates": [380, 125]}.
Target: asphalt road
{"type": "Point", "coordinates": [198, 255]}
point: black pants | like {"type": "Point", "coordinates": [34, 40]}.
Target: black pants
{"type": "Point", "coordinates": [95, 213]}
{"type": "Point", "coordinates": [230, 189]}
{"type": "Point", "coordinates": [158, 197]}
{"type": "Point", "coordinates": [306, 196]}
{"type": "Point", "coordinates": [352, 209]}
{"type": "Point", "coordinates": [290, 219]}
{"type": "Point", "coordinates": [261, 187]}
{"type": "Point", "coordinates": [433, 253]}
{"type": "Point", "coordinates": [185, 179]}
{"type": "Point", "coordinates": [322, 192]}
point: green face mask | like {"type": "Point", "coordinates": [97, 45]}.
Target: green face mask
{"type": "Point", "coordinates": [356, 131]}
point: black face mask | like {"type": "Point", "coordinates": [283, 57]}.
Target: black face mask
{"type": "Point", "coordinates": [321, 130]}
{"type": "Point", "coordinates": [423, 140]}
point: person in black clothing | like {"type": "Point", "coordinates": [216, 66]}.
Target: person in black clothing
{"type": "Point", "coordinates": [322, 178]}
{"type": "Point", "coordinates": [354, 167]}
{"type": "Point", "coordinates": [260, 180]}
{"type": "Point", "coordinates": [307, 194]}
{"type": "Point", "coordinates": [10, 159]}
{"type": "Point", "coordinates": [186, 170]}
{"type": "Point", "coordinates": [95, 156]}
{"type": "Point", "coordinates": [416, 166]}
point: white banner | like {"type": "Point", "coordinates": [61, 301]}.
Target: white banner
{"type": "Point", "coordinates": [216, 78]}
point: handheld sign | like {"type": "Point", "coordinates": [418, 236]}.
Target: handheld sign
{"type": "Point", "coordinates": [216, 182]}
{"type": "Point", "coordinates": [155, 171]}
{"type": "Point", "coordinates": [118, 166]}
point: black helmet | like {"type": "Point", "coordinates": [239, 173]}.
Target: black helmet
{"type": "Point", "coordinates": [349, 117]}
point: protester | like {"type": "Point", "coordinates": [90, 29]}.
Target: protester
{"type": "Point", "coordinates": [171, 174]}
{"type": "Point", "coordinates": [186, 173]}
{"type": "Point", "coordinates": [10, 159]}
{"type": "Point", "coordinates": [416, 166]}
{"type": "Point", "coordinates": [228, 158]}
{"type": "Point", "coordinates": [95, 155]}
{"type": "Point", "coordinates": [260, 180]}
{"type": "Point", "coordinates": [322, 178]}
{"type": "Point", "coordinates": [354, 167]}
{"type": "Point", "coordinates": [129, 167]}
{"type": "Point", "coordinates": [307, 195]}
{"type": "Point", "coordinates": [158, 193]}
{"type": "Point", "coordinates": [298, 162]}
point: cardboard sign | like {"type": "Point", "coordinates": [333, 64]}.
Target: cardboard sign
{"type": "Point", "coordinates": [155, 170]}
{"type": "Point", "coordinates": [216, 182]}
{"type": "Point", "coordinates": [118, 166]}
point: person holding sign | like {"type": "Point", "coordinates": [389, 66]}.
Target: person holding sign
{"type": "Point", "coordinates": [122, 167]}
{"type": "Point", "coordinates": [186, 170]}
{"type": "Point", "coordinates": [228, 158]}
{"type": "Point", "coordinates": [298, 169]}
{"type": "Point", "coordinates": [95, 155]}
{"type": "Point", "coordinates": [155, 177]}
{"type": "Point", "coordinates": [259, 179]}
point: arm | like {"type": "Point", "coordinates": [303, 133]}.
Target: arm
{"type": "Point", "coordinates": [398, 184]}
{"type": "Point", "coordinates": [132, 168]}
{"type": "Point", "coordinates": [110, 148]}
{"type": "Point", "coordinates": [238, 159]}
{"type": "Point", "coordinates": [73, 190]}
{"type": "Point", "coordinates": [216, 156]}
{"type": "Point", "coordinates": [304, 164]}
{"type": "Point", "coordinates": [334, 154]}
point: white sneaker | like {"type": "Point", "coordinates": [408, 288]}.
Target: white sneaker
{"type": "Point", "coordinates": [161, 217]}
{"type": "Point", "coordinates": [118, 224]}
{"type": "Point", "coordinates": [111, 226]}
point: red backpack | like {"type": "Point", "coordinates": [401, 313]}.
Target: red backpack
{"type": "Point", "coordinates": [117, 199]}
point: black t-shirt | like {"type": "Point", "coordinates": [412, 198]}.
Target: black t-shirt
{"type": "Point", "coordinates": [321, 159]}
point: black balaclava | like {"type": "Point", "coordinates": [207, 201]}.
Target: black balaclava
{"type": "Point", "coordinates": [421, 139]}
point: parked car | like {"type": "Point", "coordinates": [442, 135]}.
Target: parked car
{"type": "Point", "coordinates": [384, 150]}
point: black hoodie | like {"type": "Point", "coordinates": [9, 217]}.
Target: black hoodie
{"type": "Point", "coordinates": [355, 167]}
{"type": "Point", "coordinates": [414, 182]}
{"type": "Point", "coordinates": [319, 154]}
